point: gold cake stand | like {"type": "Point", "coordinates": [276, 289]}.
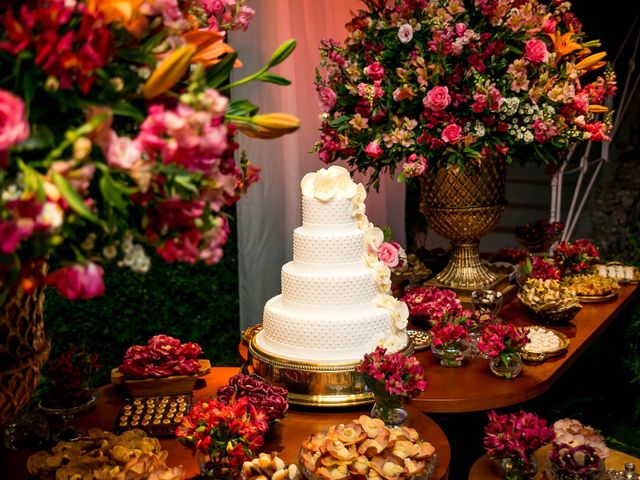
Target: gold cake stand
{"type": "Point", "coordinates": [311, 384]}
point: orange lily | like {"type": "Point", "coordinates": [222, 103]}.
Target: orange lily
{"type": "Point", "coordinates": [169, 71]}
{"type": "Point", "coordinates": [563, 45]}
{"type": "Point", "coordinates": [126, 12]}
{"type": "Point", "coordinates": [591, 62]}
{"type": "Point", "coordinates": [209, 45]}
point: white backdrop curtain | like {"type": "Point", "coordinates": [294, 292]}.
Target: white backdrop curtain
{"type": "Point", "coordinates": [267, 216]}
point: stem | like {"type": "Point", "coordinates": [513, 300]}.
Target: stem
{"type": "Point", "coordinates": [244, 80]}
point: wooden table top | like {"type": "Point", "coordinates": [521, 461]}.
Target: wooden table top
{"type": "Point", "coordinates": [473, 387]}
{"type": "Point", "coordinates": [486, 469]}
{"type": "Point", "coordinates": [285, 438]}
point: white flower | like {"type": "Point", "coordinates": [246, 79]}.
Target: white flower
{"type": "Point", "coordinates": [399, 312]}
{"type": "Point", "coordinates": [373, 238]}
{"type": "Point", "coordinates": [326, 184]}
{"type": "Point", "coordinates": [51, 215]}
{"type": "Point", "coordinates": [362, 222]}
{"type": "Point", "coordinates": [382, 277]}
{"type": "Point", "coordinates": [110, 252]}
{"type": "Point", "coordinates": [371, 260]}
{"type": "Point", "coordinates": [393, 343]}
{"type": "Point", "coordinates": [377, 341]}
{"type": "Point", "coordinates": [405, 33]}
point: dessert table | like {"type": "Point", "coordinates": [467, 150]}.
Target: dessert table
{"type": "Point", "coordinates": [285, 437]}
{"type": "Point", "coordinates": [473, 387]}
{"type": "Point", "coordinates": [485, 469]}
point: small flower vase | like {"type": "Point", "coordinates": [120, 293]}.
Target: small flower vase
{"type": "Point", "coordinates": [554, 471]}
{"type": "Point", "coordinates": [514, 468]}
{"type": "Point", "coordinates": [450, 355]}
{"type": "Point", "coordinates": [211, 469]}
{"type": "Point", "coordinates": [390, 409]}
{"type": "Point", "coordinates": [506, 365]}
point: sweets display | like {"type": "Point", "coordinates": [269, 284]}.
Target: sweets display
{"type": "Point", "coordinates": [366, 448]}
{"type": "Point", "coordinates": [335, 304]}
{"type": "Point", "coordinates": [542, 340]}
{"type": "Point", "coordinates": [155, 415]}
{"type": "Point", "coordinates": [547, 295]}
{"type": "Point", "coordinates": [269, 467]}
{"type": "Point", "coordinates": [620, 273]}
{"type": "Point", "coordinates": [592, 285]}
{"type": "Point", "coordinates": [104, 455]}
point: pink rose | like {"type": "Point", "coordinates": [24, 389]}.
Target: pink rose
{"type": "Point", "coordinates": [437, 99]}
{"type": "Point", "coordinates": [327, 99]}
{"type": "Point", "coordinates": [536, 51]}
{"type": "Point", "coordinates": [375, 71]}
{"type": "Point", "coordinates": [460, 28]}
{"type": "Point", "coordinates": [452, 133]}
{"type": "Point", "coordinates": [374, 150]}
{"type": "Point", "coordinates": [78, 282]}
{"type": "Point", "coordinates": [14, 127]}
{"type": "Point", "coordinates": [389, 255]}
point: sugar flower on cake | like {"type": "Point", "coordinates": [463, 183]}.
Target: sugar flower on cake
{"type": "Point", "coordinates": [382, 277]}
{"type": "Point", "coordinates": [390, 341]}
{"type": "Point", "coordinates": [399, 312]}
{"type": "Point", "coordinates": [329, 183]}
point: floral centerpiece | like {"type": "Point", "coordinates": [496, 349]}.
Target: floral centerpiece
{"type": "Point", "coordinates": [575, 258]}
{"type": "Point", "coordinates": [431, 304]}
{"type": "Point", "coordinates": [116, 131]}
{"type": "Point", "coordinates": [392, 378]}
{"type": "Point", "coordinates": [270, 399]}
{"type": "Point", "coordinates": [539, 235]}
{"type": "Point", "coordinates": [511, 440]}
{"type": "Point", "coordinates": [225, 435]}
{"type": "Point", "coordinates": [423, 84]}
{"type": "Point", "coordinates": [502, 343]}
{"type": "Point", "coordinates": [69, 378]}
{"type": "Point", "coordinates": [448, 337]}
{"type": "Point", "coordinates": [539, 268]}
{"type": "Point", "coordinates": [578, 452]}
{"type": "Point", "coordinates": [163, 356]}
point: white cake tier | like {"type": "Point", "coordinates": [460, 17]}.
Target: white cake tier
{"type": "Point", "coordinates": [328, 245]}
{"type": "Point", "coordinates": [338, 211]}
{"type": "Point", "coordinates": [327, 335]}
{"type": "Point", "coordinates": [352, 284]}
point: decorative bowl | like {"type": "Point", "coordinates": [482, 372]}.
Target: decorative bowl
{"type": "Point", "coordinates": [557, 317]}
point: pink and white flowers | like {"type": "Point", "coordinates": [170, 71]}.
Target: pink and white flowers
{"type": "Point", "coordinates": [392, 374]}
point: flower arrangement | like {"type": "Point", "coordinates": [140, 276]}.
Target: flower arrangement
{"type": "Point", "coordinates": [69, 376]}
{"type": "Point", "coordinates": [228, 433]}
{"type": "Point", "coordinates": [510, 255]}
{"type": "Point", "coordinates": [501, 339]}
{"type": "Point", "coordinates": [575, 258]}
{"type": "Point", "coordinates": [423, 84]}
{"type": "Point", "coordinates": [433, 304]}
{"type": "Point", "coordinates": [539, 233]}
{"type": "Point", "coordinates": [394, 375]}
{"type": "Point", "coordinates": [385, 250]}
{"type": "Point", "coordinates": [515, 435]}
{"type": "Point", "coordinates": [539, 268]}
{"type": "Point", "coordinates": [573, 433]}
{"type": "Point", "coordinates": [161, 357]}
{"type": "Point", "coordinates": [450, 330]}
{"type": "Point", "coordinates": [116, 132]}
{"type": "Point", "coordinates": [269, 399]}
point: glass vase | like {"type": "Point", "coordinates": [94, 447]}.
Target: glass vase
{"type": "Point", "coordinates": [450, 355]}
{"type": "Point", "coordinates": [557, 472]}
{"type": "Point", "coordinates": [390, 409]}
{"type": "Point", "coordinates": [506, 365]}
{"type": "Point", "coordinates": [211, 468]}
{"type": "Point", "coordinates": [514, 468]}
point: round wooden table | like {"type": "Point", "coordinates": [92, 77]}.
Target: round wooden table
{"type": "Point", "coordinates": [486, 469]}
{"type": "Point", "coordinates": [285, 437]}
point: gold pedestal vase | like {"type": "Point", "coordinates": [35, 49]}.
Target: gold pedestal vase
{"type": "Point", "coordinates": [463, 204]}
{"type": "Point", "coordinates": [23, 349]}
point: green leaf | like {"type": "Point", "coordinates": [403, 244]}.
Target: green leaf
{"type": "Point", "coordinates": [112, 194]}
{"type": "Point", "coordinates": [243, 108]}
{"type": "Point", "coordinates": [281, 53]}
{"type": "Point", "coordinates": [29, 85]}
{"type": "Point", "coordinates": [134, 55]}
{"type": "Point", "coordinates": [273, 78]}
{"type": "Point", "coordinates": [219, 73]}
{"type": "Point", "coordinates": [183, 181]}
{"type": "Point", "coordinates": [32, 180]}
{"type": "Point", "coordinates": [125, 109]}
{"type": "Point", "coordinates": [73, 198]}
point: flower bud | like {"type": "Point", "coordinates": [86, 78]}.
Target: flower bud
{"type": "Point", "coordinates": [169, 71]}
{"type": "Point", "coordinates": [81, 148]}
{"type": "Point", "coordinates": [270, 125]}
{"type": "Point", "coordinates": [51, 84]}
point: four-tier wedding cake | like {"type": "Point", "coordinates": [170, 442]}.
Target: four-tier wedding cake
{"type": "Point", "coordinates": [335, 304]}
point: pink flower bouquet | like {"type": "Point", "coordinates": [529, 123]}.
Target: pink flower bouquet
{"type": "Point", "coordinates": [418, 85]}
{"type": "Point", "coordinates": [393, 375]}
{"type": "Point", "coordinates": [270, 399]}
{"type": "Point", "coordinates": [163, 356]}
{"type": "Point", "coordinates": [502, 339]}
{"type": "Point", "coordinates": [117, 134]}
{"type": "Point", "coordinates": [450, 330]}
{"type": "Point", "coordinates": [576, 257]}
{"type": "Point", "coordinates": [432, 304]}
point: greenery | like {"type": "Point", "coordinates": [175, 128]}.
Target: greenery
{"type": "Point", "coordinates": [196, 303]}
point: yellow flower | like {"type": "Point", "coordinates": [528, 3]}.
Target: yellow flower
{"type": "Point", "coordinates": [169, 71]}
{"type": "Point", "coordinates": [270, 125]}
{"type": "Point", "coordinates": [591, 62]}
{"type": "Point", "coordinates": [563, 45]}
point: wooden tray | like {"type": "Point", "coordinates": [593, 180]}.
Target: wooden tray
{"type": "Point", "coordinates": [154, 387]}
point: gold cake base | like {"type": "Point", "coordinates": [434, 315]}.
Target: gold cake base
{"type": "Point", "coordinates": [501, 284]}
{"type": "Point", "coordinates": [312, 384]}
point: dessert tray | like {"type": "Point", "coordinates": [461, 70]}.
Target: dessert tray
{"type": "Point", "coordinates": [545, 343]}
{"type": "Point", "coordinates": [421, 339]}
{"type": "Point", "coordinates": [157, 416]}
{"type": "Point", "coordinates": [366, 448]}
{"type": "Point", "coordinates": [151, 387]}
{"type": "Point", "coordinates": [623, 274]}
{"type": "Point", "coordinates": [593, 288]}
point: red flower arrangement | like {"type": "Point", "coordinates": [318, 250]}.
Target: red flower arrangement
{"type": "Point", "coordinates": [433, 304]}
{"type": "Point", "coordinates": [576, 257]}
{"type": "Point", "coordinates": [450, 330]}
{"type": "Point", "coordinates": [515, 435]}
{"type": "Point", "coordinates": [161, 357]}
{"type": "Point", "coordinates": [69, 376]}
{"type": "Point", "coordinates": [538, 267]}
{"type": "Point", "coordinates": [267, 398]}
{"type": "Point", "coordinates": [538, 233]}
{"type": "Point", "coordinates": [394, 374]}
{"type": "Point", "coordinates": [501, 339]}
{"type": "Point", "coordinates": [582, 460]}
{"type": "Point", "coordinates": [230, 433]}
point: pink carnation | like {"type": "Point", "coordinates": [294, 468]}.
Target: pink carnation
{"type": "Point", "coordinates": [14, 127]}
